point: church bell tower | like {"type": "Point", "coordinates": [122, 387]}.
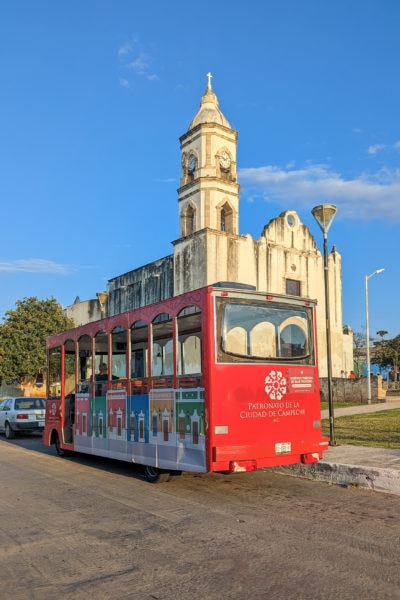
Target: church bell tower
{"type": "Point", "coordinates": [208, 192]}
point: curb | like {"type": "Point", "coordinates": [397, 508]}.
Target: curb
{"type": "Point", "coordinates": [377, 479]}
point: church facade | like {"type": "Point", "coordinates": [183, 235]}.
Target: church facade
{"type": "Point", "coordinates": [285, 259]}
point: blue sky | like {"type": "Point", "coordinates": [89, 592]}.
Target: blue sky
{"type": "Point", "coordinates": [94, 97]}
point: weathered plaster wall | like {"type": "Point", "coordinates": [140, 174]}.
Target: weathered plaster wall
{"type": "Point", "coordinates": [84, 312]}
{"type": "Point", "coordinates": [151, 283]}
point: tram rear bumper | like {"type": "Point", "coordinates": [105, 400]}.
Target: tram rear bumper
{"type": "Point", "coordinates": [251, 457]}
{"type": "Point", "coordinates": [241, 466]}
{"type": "Point", "coordinates": [310, 458]}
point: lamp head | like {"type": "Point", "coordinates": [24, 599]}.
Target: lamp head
{"type": "Point", "coordinates": [324, 214]}
{"type": "Point", "coordinates": [374, 273]}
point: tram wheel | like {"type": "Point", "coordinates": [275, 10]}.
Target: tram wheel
{"type": "Point", "coordinates": [154, 475]}
{"type": "Point", "coordinates": [60, 451]}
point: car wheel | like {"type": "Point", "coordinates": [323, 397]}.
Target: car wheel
{"type": "Point", "coordinates": [154, 475]}
{"type": "Point", "coordinates": [10, 435]}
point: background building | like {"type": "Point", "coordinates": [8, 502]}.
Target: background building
{"type": "Point", "coordinates": [285, 259]}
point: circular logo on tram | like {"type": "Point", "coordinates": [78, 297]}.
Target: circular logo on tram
{"type": "Point", "coordinates": [275, 385]}
{"type": "Point", "coordinates": [53, 409]}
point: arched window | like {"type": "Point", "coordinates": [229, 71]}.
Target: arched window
{"type": "Point", "coordinates": [223, 220]}
{"type": "Point", "coordinates": [294, 336]}
{"type": "Point", "coordinates": [54, 365]}
{"type": "Point", "coordinates": [162, 351]}
{"type": "Point", "coordinates": [188, 220]}
{"type": "Point", "coordinates": [236, 341]}
{"type": "Point", "coordinates": [85, 363]}
{"type": "Point", "coordinates": [69, 367]}
{"type": "Point", "coordinates": [226, 218]}
{"type": "Point", "coordinates": [263, 342]}
{"type": "Point", "coordinates": [101, 363]}
{"type": "Point", "coordinates": [139, 357]}
{"type": "Point", "coordinates": [118, 356]}
{"type": "Point", "coordinates": [70, 372]}
{"type": "Point", "coordinates": [189, 366]}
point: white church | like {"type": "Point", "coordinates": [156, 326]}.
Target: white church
{"type": "Point", "coordinates": [284, 259]}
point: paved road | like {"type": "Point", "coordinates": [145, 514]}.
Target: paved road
{"type": "Point", "coordinates": [87, 528]}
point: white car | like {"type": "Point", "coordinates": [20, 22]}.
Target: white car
{"type": "Point", "coordinates": [22, 414]}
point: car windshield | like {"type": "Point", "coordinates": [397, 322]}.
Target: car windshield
{"type": "Point", "coordinates": [29, 403]}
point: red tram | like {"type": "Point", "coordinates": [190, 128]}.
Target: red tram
{"type": "Point", "coordinates": [223, 378]}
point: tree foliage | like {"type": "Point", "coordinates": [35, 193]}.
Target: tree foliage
{"type": "Point", "coordinates": [23, 336]}
{"type": "Point", "coordinates": [387, 352]}
{"type": "Point", "coordinates": [379, 353]}
{"type": "Point", "coordinates": [359, 342]}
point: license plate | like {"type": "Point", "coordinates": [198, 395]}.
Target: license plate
{"type": "Point", "coordinates": [283, 448]}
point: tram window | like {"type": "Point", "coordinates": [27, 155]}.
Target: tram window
{"type": "Point", "coordinates": [69, 368]}
{"type": "Point", "coordinates": [54, 362]}
{"type": "Point", "coordinates": [189, 355]}
{"type": "Point", "coordinates": [189, 341]}
{"type": "Point", "coordinates": [85, 362]}
{"type": "Point", "coordinates": [263, 332]}
{"type": "Point", "coordinates": [119, 356]}
{"type": "Point", "coordinates": [139, 350]}
{"type": "Point", "coordinates": [293, 341]}
{"type": "Point", "coordinates": [162, 345]}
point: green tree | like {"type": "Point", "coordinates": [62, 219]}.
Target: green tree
{"type": "Point", "coordinates": [392, 354]}
{"type": "Point", "coordinates": [359, 343]}
{"type": "Point", "coordinates": [380, 348]}
{"type": "Point", "coordinates": [23, 337]}
{"type": "Point", "coordinates": [382, 333]}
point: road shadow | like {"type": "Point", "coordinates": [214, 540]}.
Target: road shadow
{"type": "Point", "coordinates": [34, 443]}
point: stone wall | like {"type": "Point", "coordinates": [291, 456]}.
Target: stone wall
{"type": "Point", "coordinates": [353, 390]}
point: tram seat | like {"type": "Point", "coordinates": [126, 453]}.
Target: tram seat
{"type": "Point", "coordinates": [188, 382]}
{"type": "Point", "coordinates": [138, 386]}
{"type": "Point", "coordinates": [162, 382]}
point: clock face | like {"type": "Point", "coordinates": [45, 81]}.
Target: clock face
{"type": "Point", "coordinates": [192, 163]}
{"type": "Point", "coordinates": [224, 160]}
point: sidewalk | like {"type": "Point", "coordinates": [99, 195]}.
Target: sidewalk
{"type": "Point", "coordinates": [377, 469]}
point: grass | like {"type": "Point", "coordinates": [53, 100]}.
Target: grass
{"type": "Point", "coordinates": [378, 430]}
{"type": "Point", "coordinates": [325, 405]}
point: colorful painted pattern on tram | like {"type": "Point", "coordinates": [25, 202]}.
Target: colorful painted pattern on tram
{"type": "Point", "coordinates": [162, 427]}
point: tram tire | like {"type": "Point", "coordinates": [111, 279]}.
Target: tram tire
{"type": "Point", "coordinates": [60, 451]}
{"type": "Point", "coordinates": [9, 432]}
{"type": "Point", "coordinates": [154, 475]}
{"type": "Point", "coordinates": [175, 473]}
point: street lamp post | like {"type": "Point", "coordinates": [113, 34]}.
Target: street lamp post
{"type": "Point", "coordinates": [367, 333]}
{"type": "Point", "coordinates": [324, 215]}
